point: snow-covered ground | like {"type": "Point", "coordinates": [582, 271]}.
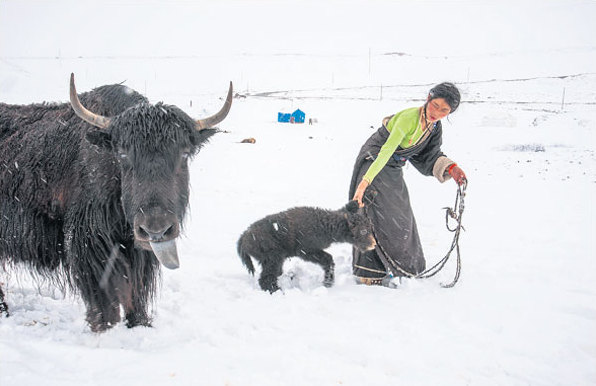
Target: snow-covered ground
{"type": "Point", "coordinates": [524, 310]}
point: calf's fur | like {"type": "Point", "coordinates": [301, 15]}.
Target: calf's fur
{"type": "Point", "coordinates": [303, 232]}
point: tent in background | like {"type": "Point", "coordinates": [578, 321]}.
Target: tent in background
{"type": "Point", "coordinates": [297, 116]}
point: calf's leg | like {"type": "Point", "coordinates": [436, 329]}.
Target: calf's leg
{"type": "Point", "coordinates": [272, 270]}
{"type": "Point", "coordinates": [323, 259]}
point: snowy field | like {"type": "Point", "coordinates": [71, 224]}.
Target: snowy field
{"type": "Point", "coordinates": [524, 310]}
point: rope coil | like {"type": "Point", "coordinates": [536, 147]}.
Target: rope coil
{"type": "Point", "coordinates": [457, 216]}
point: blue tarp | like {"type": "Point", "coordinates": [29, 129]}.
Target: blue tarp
{"type": "Point", "coordinates": [283, 117]}
{"type": "Point", "coordinates": [297, 116]}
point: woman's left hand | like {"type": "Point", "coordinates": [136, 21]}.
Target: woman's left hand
{"type": "Point", "coordinates": [359, 194]}
{"type": "Point", "coordinates": [458, 174]}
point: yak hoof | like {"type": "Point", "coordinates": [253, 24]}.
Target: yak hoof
{"type": "Point", "coordinates": [4, 309]}
{"type": "Point", "coordinates": [268, 283]}
{"type": "Point", "coordinates": [100, 327]}
{"type": "Point", "coordinates": [103, 320]}
{"type": "Point", "coordinates": [134, 321]}
{"type": "Point", "coordinates": [272, 288]}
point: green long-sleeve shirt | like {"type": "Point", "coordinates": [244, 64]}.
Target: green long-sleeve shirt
{"type": "Point", "coordinates": [404, 131]}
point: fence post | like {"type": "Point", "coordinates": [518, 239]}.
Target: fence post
{"type": "Point", "coordinates": [563, 99]}
{"type": "Point", "coordinates": [369, 64]}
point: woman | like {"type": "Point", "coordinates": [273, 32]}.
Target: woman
{"type": "Point", "coordinates": [413, 135]}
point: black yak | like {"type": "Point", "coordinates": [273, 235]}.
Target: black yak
{"type": "Point", "coordinates": [303, 232]}
{"type": "Point", "coordinates": [94, 201]}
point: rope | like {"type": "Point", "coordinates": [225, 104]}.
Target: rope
{"type": "Point", "coordinates": [449, 213]}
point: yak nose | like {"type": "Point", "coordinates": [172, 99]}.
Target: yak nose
{"type": "Point", "coordinates": [159, 229]}
{"type": "Point", "coordinates": [156, 227]}
{"type": "Point", "coordinates": [160, 233]}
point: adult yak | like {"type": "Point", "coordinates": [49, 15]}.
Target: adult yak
{"type": "Point", "coordinates": [95, 200]}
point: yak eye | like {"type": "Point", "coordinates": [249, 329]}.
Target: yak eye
{"type": "Point", "coordinates": [185, 155]}
{"type": "Point", "coordinates": [123, 155]}
{"type": "Point", "coordinates": [363, 232]}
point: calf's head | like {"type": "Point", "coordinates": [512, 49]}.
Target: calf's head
{"type": "Point", "coordinates": [360, 226]}
{"type": "Point", "coordinates": [152, 145]}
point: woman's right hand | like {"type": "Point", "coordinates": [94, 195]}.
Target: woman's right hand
{"type": "Point", "coordinates": [458, 175]}
{"type": "Point", "coordinates": [360, 192]}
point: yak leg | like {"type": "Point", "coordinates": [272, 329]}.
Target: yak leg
{"type": "Point", "coordinates": [3, 305]}
{"type": "Point", "coordinates": [272, 270]}
{"type": "Point", "coordinates": [323, 259]}
{"type": "Point", "coordinates": [134, 302]}
{"type": "Point", "coordinates": [137, 315]}
{"type": "Point", "coordinates": [103, 311]}
{"type": "Point", "coordinates": [129, 278]}
{"type": "Point", "coordinates": [90, 262]}
{"type": "Point", "coordinates": [103, 306]}
{"type": "Point", "coordinates": [135, 293]}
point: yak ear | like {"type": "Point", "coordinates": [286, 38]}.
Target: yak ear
{"type": "Point", "coordinates": [99, 138]}
{"type": "Point", "coordinates": [203, 135]}
{"type": "Point", "coordinates": [352, 206]}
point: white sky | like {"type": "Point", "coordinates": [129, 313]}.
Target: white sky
{"type": "Point", "coordinates": [145, 27]}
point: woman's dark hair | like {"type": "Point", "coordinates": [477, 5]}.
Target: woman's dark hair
{"type": "Point", "coordinates": [447, 91]}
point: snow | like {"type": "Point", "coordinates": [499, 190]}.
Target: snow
{"type": "Point", "coordinates": [523, 311]}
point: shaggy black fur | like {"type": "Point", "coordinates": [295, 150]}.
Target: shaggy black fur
{"type": "Point", "coordinates": [69, 193]}
{"type": "Point", "coordinates": [304, 232]}
{"type": "Point", "coordinates": [3, 306]}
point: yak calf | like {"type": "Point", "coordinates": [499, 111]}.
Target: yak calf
{"type": "Point", "coordinates": [304, 232]}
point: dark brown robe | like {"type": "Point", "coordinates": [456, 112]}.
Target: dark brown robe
{"type": "Point", "coordinates": [398, 251]}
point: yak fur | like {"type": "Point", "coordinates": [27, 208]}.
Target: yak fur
{"type": "Point", "coordinates": [69, 192]}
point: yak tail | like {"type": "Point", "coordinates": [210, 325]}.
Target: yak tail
{"type": "Point", "coordinates": [246, 260]}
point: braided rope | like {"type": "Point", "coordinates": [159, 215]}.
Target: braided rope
{"type": "Point", "coordinates": [449, 213]}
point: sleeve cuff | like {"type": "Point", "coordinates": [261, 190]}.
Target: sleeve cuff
{"type": "Point", "coordinates": [440, 168]}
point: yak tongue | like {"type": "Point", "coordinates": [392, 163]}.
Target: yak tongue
{"type": "Point", "coordinates": [166, 253]}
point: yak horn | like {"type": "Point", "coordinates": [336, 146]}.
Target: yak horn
{"type": "Point", "coordinates": [92, 118]}
{"type": "Point", "coordinates": [218, 117]}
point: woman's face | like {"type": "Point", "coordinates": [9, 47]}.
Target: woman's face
{"type": "Point", "coordinates": [437, 109]}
